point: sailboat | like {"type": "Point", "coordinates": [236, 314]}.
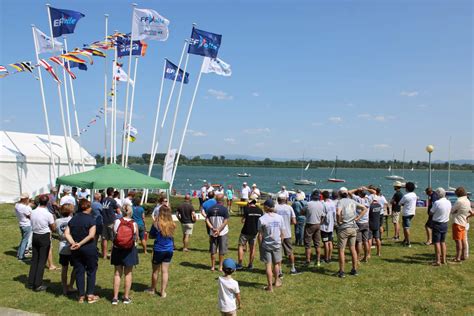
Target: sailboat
{"type": "Point", "coordinates": [334, 170]}
{"type": "Point", "coordinates": [392, 176]}
{"type": "Point", "coordinates": [449, 168]}
{"type": "Point", "coordinates": [302, 181]}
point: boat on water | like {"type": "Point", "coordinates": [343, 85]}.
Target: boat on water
{"type": "Point", "coordinates": [392, 176]}
{"type": "Point", "coordinates": [301, 180]}
{"type": "Point", "coordinates": [334, 170]}
{"type": "Point", "coordinates": [243, 175]}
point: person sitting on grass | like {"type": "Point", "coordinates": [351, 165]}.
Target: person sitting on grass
{"type": "Point", "coordinates": [409, 208]}
{"type": "Point", "coordinates": [229, 292]}
{"type": "Point", "coordinates": [439, 224]}
{"type": "Point", "coordinates": [249, 231]}
{"type": "Point", "coordinates": [270, 235]}
{"type": "Point", "coordinates": [217, 221]}
{"type": "Point", "coordinates": [124, 253]}
{"type": "Point", "coordinates": [374, 224]}
{"type": "Point", "coordinates": [187, 217]}
{"type": "Point", "coordinates": [65, 258]}
{"type": "Point", "coordinates": [461, 211]}
{"type": "Point", "coordinates": [162, 231]}
{"type": "Point", "coordinates": [139, 218]}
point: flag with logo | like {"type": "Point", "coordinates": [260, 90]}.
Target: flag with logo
{"type": "Point", "coordinates": [138, 48]}
{"type": "Point", "coordinates": [204, 43]}
{"type": "Point", "coordinates": [149, 24]}
{"type": "Point", "coordinates": [43, 63]}
{"type": "Point", "coordinates": [170, 72]}
{"type": "Point", "coordinates": [217, 66]}
{"type": "Point", "coordinates": [120, 74]}
{"type": "Point", "coordinates": [168, 165]}
{"type": "Point", "coordinates": [64, 21]}
{"type": "Point", "coordinates": [44, 43]}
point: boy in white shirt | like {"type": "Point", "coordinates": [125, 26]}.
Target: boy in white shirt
{"type": "Point", "coordinates": [229, 292]}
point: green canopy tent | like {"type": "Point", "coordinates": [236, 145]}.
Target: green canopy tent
{"type": "Point", "coordinates": [114, 176]}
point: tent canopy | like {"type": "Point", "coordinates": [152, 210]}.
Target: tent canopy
{"type": "Point", "coordinates": [114, 176]}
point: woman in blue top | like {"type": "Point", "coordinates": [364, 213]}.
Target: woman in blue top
{"type": "Point", "coordinates": [162, 230]}
{"type": "Point", "coordinates": [139, 218]}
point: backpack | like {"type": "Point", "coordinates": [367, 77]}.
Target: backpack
{"type": "Point", "coordinates": [125, 238]}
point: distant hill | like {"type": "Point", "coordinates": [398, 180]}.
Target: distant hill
{"type": "Point", "coordinates": [457, 162]}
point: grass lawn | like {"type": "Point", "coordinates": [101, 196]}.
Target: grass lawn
{"type": "Point", "coordinates": [402, 281]}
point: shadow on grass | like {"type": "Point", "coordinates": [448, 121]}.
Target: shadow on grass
{"type": "Point", "coordinates": [195, 265]}
{"type": "Point", "coordinates": [11, 253]}
{"type": "Point", "coordinates": [254, 285]}
{"type": "Point", "coordinates": [415, 259]}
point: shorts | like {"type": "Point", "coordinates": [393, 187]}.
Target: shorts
{"type": "Point", "coordinates": [382, 218]}
{"type": "Point", "coordinates": [287, 247]}
{"type": "Point", "coordinates": [98, 231]}
{"type": "Point", "coordinates": [439, 232]}
{"type": "Point", "coordinates": [395, 217]}
{"type": "Point", "coordinates": [187, 228]}
{"type": "Point", "coordinates": [160, 257]}
{"type": "Point", "coordinates": [375, 233]}
{"type": "Point", "coordinates": [311, 232]}
{"type": "Point", "coordinates": [363, 232]}
{"type": "Point", "coordinates": [406, 220]}
{"type": "Point", "coordinates": [65, 260]}
{"type": "Point", "coordinates": [108, 232]}
{"type": "Point", "coordinates": [124, 257]}
{"type": "Point", "coordinates": [346, 236]}
{"type": "Point", "coordinates": [459, 232]}
{"type": "Point", "coordinates": [141, 232]}
{"type": "Point", "coordinates": [326, 236]}
{"type": "Point", "coordinates": [232, 313]}
{"type": "Point", "coordinates": [243, 239]}
{"type": "Point", "coordinates": [429, 222]}
{"type": "Point", "coordinates": [270, 256]}
{"type": "Point", "coordinates": [218, 243]}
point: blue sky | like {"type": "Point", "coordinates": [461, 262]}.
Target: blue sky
{"type": "Point", "coordinates": [357, 79]}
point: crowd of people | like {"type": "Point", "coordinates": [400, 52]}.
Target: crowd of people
{"type": "Point", "coordinates": [352, 218]}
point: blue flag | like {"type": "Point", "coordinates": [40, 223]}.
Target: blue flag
{"type": "Point", "coordinates": [123, 47]}
{"type": "Point", "coordinates": [204, 43]}
{"type": "Point", "coordinates": [64, 21]}
{"type": "Point", "coordinates": [170, 72]}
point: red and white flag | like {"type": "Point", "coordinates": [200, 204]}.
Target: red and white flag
{"type": "Point", "coordinates": [60, 62]}
{"type": "Point", "coordinates": [43, 63]}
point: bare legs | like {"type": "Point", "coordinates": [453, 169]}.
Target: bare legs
{"type": "Point", "coordinates": [269, 270]}
{"type": "Point", "coordinates": [119, 270]}
{"type": "Point", "coordinates": [428, 235]}
{"type": "Point", "coordinates": [328, 248]}
{"type": "Point", "coordinates": [240, 254]}
{"type": "Point", "coordinates": [164, 277]}
{"type": "Point", "coordinates": [185, 242]}
{"type": "Point", "coordinates": [308, 254]}
{"type": "Point", "coordinates": [104, 248]}
{"type": "Point", "coordinates": [143, 242]}
{"type": "Point", "coordinates": [67, 288]}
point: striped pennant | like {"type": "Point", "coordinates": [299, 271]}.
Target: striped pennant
{"type": "Point", "coordinates": [43, 63]}
{"type": "Point", "coordinates": [60, 62]}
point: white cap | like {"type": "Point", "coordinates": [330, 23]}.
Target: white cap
{"type": "Point", "coordinates": [254, 185]}
{"type": "Point", "coordinates": [66, 189]}
{"type": "Point", "coordinates": [24, 196]}
{"type": "Point", "coordinates": [245, 183]}
{"type": "Point", "coordinates": [343, 190]}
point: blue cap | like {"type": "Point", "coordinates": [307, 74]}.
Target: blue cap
{"type": "Point", "coordinates": [229, 264]}
{"type": "Point", "coordinates": [269, 203]}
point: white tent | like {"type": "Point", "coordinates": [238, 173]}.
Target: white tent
{"type": "Point", "coordinates": [25, 164]}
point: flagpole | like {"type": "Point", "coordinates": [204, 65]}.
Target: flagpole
{"type": "Point", "coordinates": [128, 88]}
{"type": "Point", "coordinates": [49, 22]}
{"type": "Point", "coordinates": [113, 117]}
{"type": "Point", "coordinates": [76, 118]}
{"type": "Point", "coordinates": [186, 125]}
{"type": "Point", "coordinates": [68, 116]}
{"type": "Point", "coordinates": [45, 110]}
{"type": "Point", "coordinates": [105, 91]}
{"type": "Point", "coordinates": [63, 120]}
{"type": "Point", "coordinates": [131, 108]}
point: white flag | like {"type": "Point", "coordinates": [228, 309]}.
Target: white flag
{"type": "Point", "coordinates": [217, 66]}
{"type": "Point", "coordinates": [44, 44]}
{"type": "Point", "coordinates": [149, 24]}
{"type": "Point", "coordinates": [120, 74]}
{"type": "Point", "coordinates": [168, 165]}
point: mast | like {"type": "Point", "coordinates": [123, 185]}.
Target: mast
{"type": "Point", "coordinates": [449, 163]}
{"type": "Point", "coordinates": [335, 169]}
{"type": "Point", "coordinates": [403, 164]}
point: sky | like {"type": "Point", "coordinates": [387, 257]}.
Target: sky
{"type": "Point", "coordinates": [356, 79]}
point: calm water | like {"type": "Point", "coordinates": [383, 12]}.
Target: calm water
{"type": "Point", "coordinates": [190, 178]}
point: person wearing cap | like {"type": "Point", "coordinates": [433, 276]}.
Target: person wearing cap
{"type": "Point", "coordinates": [245, 192]}
{"type": "Point", "coordinates": [396, 208]}
{"type": "Point", "coordinates": [289, 218]}
{"type": "Point", "coordinates": [83, 194]}
{"type": "Point", "coordinates": [67, 197]}
{"type": "Point", "coordinates": [439, 222]}
{"type": "Point", "coordinates": [346, 215]}
{"type": "Point", "coordinates": [249, 231]}
{"type": "Point", "coordinates": [432, 198]}
{"type": "Point", "coordinates": [360, 195]}
{"type": "Point", "coordinates": [255, 193]}
{"type": "Point", "coordinates": [409, 208]}
{"type": "Point", "coordinates": [298, 205]}
{"type": "Point", "coordinates": [23, 213]}
{"type": "Point", "coordinates": [270, 235]}
{"type": "Point", "coordinates": [314, 212]}
{"type": "Point", "coordinates": [284, 192]}
{"type": "Point", "coordinates": [217, 220]}
{"type": "Point", "coordinates": [228, 290]}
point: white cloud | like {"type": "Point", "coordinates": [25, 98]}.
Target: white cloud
{"type": "Point", "coordinates": [219, 94]}
{"type": "Point", "coordinates": [253, 131]}
{"type": "Point", "coordinates": [381, 146]}
{"type": "Point", "coordinates": [255, 94]}
{"type": "Point", "coordinates": [409, 93]}
{"type": "Point", "coordinates": [196, 133]}
{"type": "Point", "coordinates": [378, 117]}
{"type": "Point", "coordinates": [230, 141]}
{"type": "Point", "coordinates": [335, 119]}
{"type": "Point", "coordinates": [259, 145]}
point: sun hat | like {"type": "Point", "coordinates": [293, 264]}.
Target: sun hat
{"type": "Point", "coordinates": [229, 264]}
{"type": "Point", "coordinates": [245, 183]}
{"type": "Point", "coordinates": [254, 185]}
{"type": "Point", "coordinates": [24, 196]}
{"type": "Point", "coordinates": [397, 184]}
{"type": "Point", "coordinates": [66, 189]}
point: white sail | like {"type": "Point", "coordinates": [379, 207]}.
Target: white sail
{"type": "Point", "coordinates": [307, 167]}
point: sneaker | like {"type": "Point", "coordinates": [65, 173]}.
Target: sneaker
{"type": "Point", "coordinates": [354, 272]}
{"type": "Point", "coordinates": [41, 288]}
{"type": "Point", "coordinates": [372, 247]}
{"type": "Point", "coordinates": [280, 275]}
{"type": "Point", "coordinates": [250, 267]}
{"type": "Point", "coordinates": [114, 301]}
{"type": "Point", "coordinates": [294, 272]}
{"type": "Point", "coordinates": [126, 300]}
{"type": "Point", "coordinates": [317, 264]}
{"type": "Point", "coordinates": [408, 245]}
{"type": "Point", "coordinates": [341, 274]}
{"type": "Point", "coordinates": [238, 266]}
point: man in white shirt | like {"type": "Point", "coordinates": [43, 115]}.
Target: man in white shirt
{"type": "Point", "coordinates": [42, 223]}
{"type": "Point", "coordinates": [67, 197]}
{"type": "Point", "coordinates": [284, 192]}
{"type": "Point", "coordinates": [245, 192]}
{"type": "Point", "coordinates": [289, 218]}
{"type": "Point", "coordinates": [23, 213]}
{"type": "Point", "coordinates": [440, 218]}
{"type": "Point", "coordinates": [255, 193]}
{"type": "Point", "coordinates": [409, 208]}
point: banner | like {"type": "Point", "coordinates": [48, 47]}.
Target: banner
{"type": "Point", "coordinates": [44, 43]}
{"type": "Point", "coordinates": [168, 165]}
{"type": "Point", "coordinates": [170, 72]}
{"type": "Point", "coordinates": [216, 66]}
{"type": "Point", "coordinates": [204, 43]}
{"type": "Point", "coordinates": [149, 24]}
{"type": "Point", "coordinates": [138, 48]}
{"type": "Point", "coordinates": [64, 21]}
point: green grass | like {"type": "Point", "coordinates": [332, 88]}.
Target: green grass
{"type": "Point", "coordinates": [399, 282]}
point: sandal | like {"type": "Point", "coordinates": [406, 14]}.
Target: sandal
{"type": "Point", "coordinates": [81, 299]}
{"type": "Point", "coordinates": [91, 299]}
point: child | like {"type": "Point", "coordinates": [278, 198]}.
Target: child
{"type": "Point", "coordinates": [64, 248]}
{"type": "Point", "coordinates": [374, 223]}
{"type": "Point", "coordinates": [162, 230]}
{"type": "Point", "coordinates": [229, 291]}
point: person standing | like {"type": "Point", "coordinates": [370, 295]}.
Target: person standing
{"type": "Point", "coordinates": [217, 220]}
{"type": "Point", "coordinates": [409, 208]}
{"type": "Point", "coordinates": [65, 258]}
{"type": "Point", "coordinates": [270, 235]}
{"type": "Point", "coordinates": [440, 211]}
{"type": "Point", "coordinates": [80, 234]}
{"type": "Point", "coordinates": [42, 224]}
{"type": "Point", "coordinates": [206, 206]}
{"type": "Point", "coordinates": [314, 213]}
{"type": "Point", "coordinates": [284, 192]}
{"type": "Point", "coordinates": [327, 226]}
{"type": "Point", "coordinates": [298, 205]}
{"type": "Point", "coordinates": [249, 231]}
{"type": "Point", "coordinates": [67, 197]}
{"type": "Point", "coordinates": [187, 218]}
{"type": "Point", "coordinates": [139, 219]}
{"type": "Point", "coordinates": [23, 213]}
{"type": "Point", "coordinates": [203, 193]}
{"type": "Point", "coordinates": [255, 192]}
{"type": "Point", "coordinates": [109, 209]}
{"type": "Point", "coordinates": [97, 214]}
{"type": "Point", "coordinates": [229, 292]}
{"type": "Point", "coordinates": [362, 240]}
{"type": "Point", "coordinates": [432, 198]}
{"type": "Point", "coordinates": [396, 208]}
{"type": "Point", "coordinates": [245, 192]}
{"type": "Point", "coordinates": [374, 224]}
{"type": "Point", "coordinates": [347, 229]}
{"type": "Point", "coordinates": [230, 197]}
{"type": "Point", "coordinates": [461, 211]}
{"type": "Point", "coordinates": [156, 211]}
{"type": "Point", "coordinates": [289, 218]}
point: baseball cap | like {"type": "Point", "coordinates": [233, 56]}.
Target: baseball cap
{"type": "Point", "coordinates": [229, 264]}
{"type": "Point", "coordinates": [66, 189]}
{"type": "Point", "coordinates": [24, 196]}
{"type": "Point", "coordinates": [269, 203]}
{"type": "Point", "coordinates": [245, 183]}
{"type": "Point", "coordinates": [397, 184]}
{"type": "Point", "coordinates": [343, 190]}
{"type": "Point", "coordinates": [254, 185]}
